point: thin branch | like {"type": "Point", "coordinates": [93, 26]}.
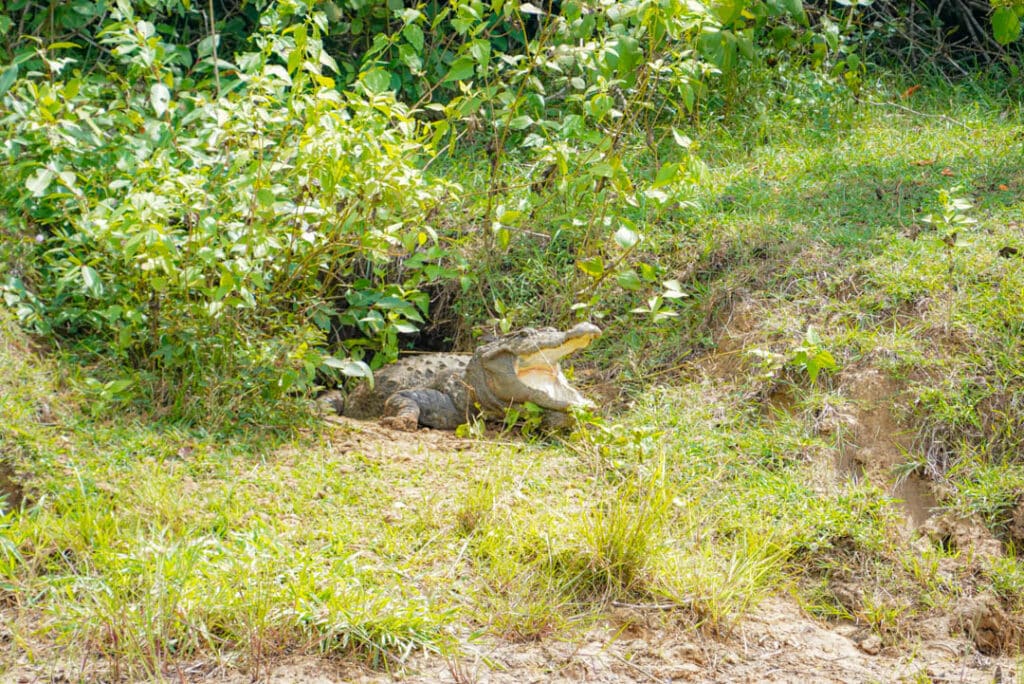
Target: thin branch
{"type": "Point", "coordinates": [213, 53]}
{"type": "Point", "coordinates": [914, 111]}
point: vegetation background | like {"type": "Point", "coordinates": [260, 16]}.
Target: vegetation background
{"type": "Point", "coordinates": [798, 223]}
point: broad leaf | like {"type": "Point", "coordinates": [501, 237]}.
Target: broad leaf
{"type": "Point", "coordinates": [462, 69]}
{"type": "Point", "coordinates": [92, 281]}
{"type": "Point", "coordinates": [1005, 25]}
{"type": "Point", "coordinates": [40, 181]}
{"type": "Point", "coordinates": [414, 34]}
{"type": "Point", "coordinates": [159, 97]}
{"type": "Point", "coordinates": [349, 367]}
{"type": "Point", "coordinates": [593, 267]}
{"type": "Point", "coordinates": [7, 78]}
{"type": "Point", "coordinates": [626, 238]}
{"type": "Point", "coordinates": [377, 80]}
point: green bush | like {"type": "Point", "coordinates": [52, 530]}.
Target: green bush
{"type": "Point", "coordinates": [212, 243]}
{"type": "Point", "coordinates": [202, 205]}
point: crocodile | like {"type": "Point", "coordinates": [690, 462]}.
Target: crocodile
{"type": "Point", "coordinates": [443, 391]}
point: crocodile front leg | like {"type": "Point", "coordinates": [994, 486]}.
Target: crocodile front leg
{"type": "Point", "coordinates": [408, 409]}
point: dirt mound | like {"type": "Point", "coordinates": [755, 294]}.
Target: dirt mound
{"type": "Point", "coordinates": [373, 438]}
{"type": "Point", "coordinates": [876, 443]}
{"type": "Point", "coordinates": [11, 491]}
{"type": "Point", "coordinates": [733, 333]}
{"type": "Point", "coordinates": [983, 619]}
{"type": "Point", "coordinates": [965, 535]}
{"type": "Point", "coordinates": [1016, 529]}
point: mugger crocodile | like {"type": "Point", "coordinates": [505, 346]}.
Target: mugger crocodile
{"type": "Point", "coordinates": [443, 391]}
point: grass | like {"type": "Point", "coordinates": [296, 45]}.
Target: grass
{"type": "Point", "coordinates": [139, 546]}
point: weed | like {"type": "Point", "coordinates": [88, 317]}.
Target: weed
{"type": "Point", "coordinates": [812, 357]}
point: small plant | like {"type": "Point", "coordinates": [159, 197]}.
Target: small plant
{"type": "Point", "coordinates": [529, 417]}
{"type": "Point", "coordinates": [952, 217]}
{"type": "Point", "coordinates": [812, 357]}
{"type": "Point", "coordinates": [621, 536]}
{"type": "Point", "coordinates": [102, 395]}
{"type": "Point", "coordinates": [1007, 576]}
{"type": "Point", "coordinates": [475, 506]}
{"type": "Point", "coordinates": [767, 363]}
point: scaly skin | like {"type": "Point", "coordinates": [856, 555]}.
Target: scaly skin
{"type": "Point", "coordinates": [443, 391]}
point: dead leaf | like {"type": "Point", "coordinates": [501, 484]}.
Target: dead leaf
{"type": "Point", "coordinates": [922, 162]}
{"type": "Point", "coordinates": [947, 172]}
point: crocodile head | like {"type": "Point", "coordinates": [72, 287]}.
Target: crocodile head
{"type": "Point", "coordinates": [524, 367]}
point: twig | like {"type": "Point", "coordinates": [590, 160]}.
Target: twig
{"type": "Point", "coordinates": [639, 669]}
{"type": "Point", "coordinates": [914, 111]}
{"type": "Point", "coordinates": [652, 606]}
{"type": "Point", "coordinates": [213, 45]}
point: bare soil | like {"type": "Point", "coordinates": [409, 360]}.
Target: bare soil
{"type": "Point", "coordinates": [776, 643]}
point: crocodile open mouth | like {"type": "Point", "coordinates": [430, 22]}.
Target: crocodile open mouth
{"type": "Point", "coordinates": [540, 370]}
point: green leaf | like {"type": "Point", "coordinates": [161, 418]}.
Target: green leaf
{"type": "Point", "coordinates": [1005, 25]}
{"type": "Point", "coordinates": [8, 78]}
{"type": "Point", "coordinates": [520, 122]}
{"type": "Point", "coordinates": [377, 80]}
{"type": "Point", "coordinates": [92, 281]}
{"type": "Point", "coordinates": [673, 289]}
{"type": "Point", "coordinates": [795, 8]}
{"type": "Point", "coordinates": [812, 338]}
{"type": "Point", "coordinates": [206, 45]}
{"type": "Point", "coordinates": [626, 238]}
{"type": "Point", "coordinates": [349, 367]}
{"type": "Point", "coordinates": [718, 47]}
{"type": "Point", "coordinates": [481, 51]}
{"type": "Point", "coordinates": [227, 283]}
{"type": "Point", "coordinates": [528, 8]}
{"type": "Point", "coordinates": [666, 174]}
{"type": "Point", "coordinates": [508, 216]}
{"type": "Point", "coordinates": [265, 197]}
{"type": "Point", "coordinates": [683, 141]}
{"type": "Point", "coordinates": [630, 55]}
{"type": "Point", "coordinates": [159, 97]}
{"type": "Point", "coordinates": [414, 34]}
{"type": "Point", "coordinates": [727, 11]}
{"type": "Point", "coordinates": [745, 44]}
{"type": "Point", "coordinates": [600, 105]}
{"type": "Point", "coordinates": [629, 280]}
{"type": "Point", "coordinates": [40, 181]}
{"type": "Point", "coordinates": [462, 69]}
{"type": "Point", "coordinates": [294, 60]}
{"type": "Point", "coordinates": [504, 237]}
{"type": "Point", "coordinates": [593, 267]}
{"type": "Point", "coordinates": [278, 71]}
{"type": "Point", "coordinates": [118, 386]}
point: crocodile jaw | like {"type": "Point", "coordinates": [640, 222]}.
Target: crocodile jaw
{"type": "Point", "coordinates": [540, 370]}
{"type": "Point", "coordinates": [550, 380]}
